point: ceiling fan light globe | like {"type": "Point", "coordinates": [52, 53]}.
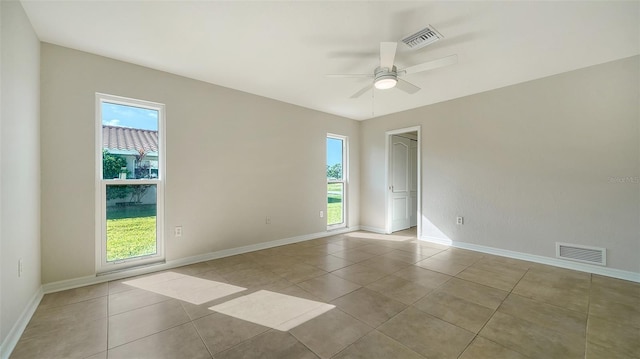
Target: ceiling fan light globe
{"type": "Point", "coordinates": [385, 83]}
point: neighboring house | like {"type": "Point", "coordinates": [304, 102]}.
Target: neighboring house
{"type": "Point", "coordinates": [129, 143]}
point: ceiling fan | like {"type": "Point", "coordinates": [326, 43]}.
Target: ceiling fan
{"type": "Point", "coordinates": [387, 76]}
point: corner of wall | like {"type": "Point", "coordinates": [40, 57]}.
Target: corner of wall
{"type": "Point", "coordinates": [11, 340]}
{"type": "Point", "coordinates": [20, 292]}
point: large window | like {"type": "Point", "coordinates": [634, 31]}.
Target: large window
{"type": "Point", "coordinates": [336, 181]}
{"type": "Point", "coordinates": [129, 191]}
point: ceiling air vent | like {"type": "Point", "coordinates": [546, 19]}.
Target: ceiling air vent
{"type": "Point", "coordinates": [584, 254]}
{"type": "Point", "coordinates": [422, 38]}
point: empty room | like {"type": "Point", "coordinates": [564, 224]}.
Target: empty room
{"type": "Point", "coordinates": [320, 179]}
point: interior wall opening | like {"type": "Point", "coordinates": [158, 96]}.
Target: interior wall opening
{"type": "Point", "coordinates": [403, 181]}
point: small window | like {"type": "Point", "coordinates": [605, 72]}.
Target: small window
{"type": "Point", "coordinates": [129, 182]}
{"type": "Point", "coordinates": [336, 181]}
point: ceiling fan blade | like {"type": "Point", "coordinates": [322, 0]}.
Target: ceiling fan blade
{"type": "Point", "coordinates": [339, 76]}
{"type": "Point", "coordinates": [387, 54]}
{"type": "Point", "coordinates": [362, 91]}
{"type": "Point", "coordinates": [407, 87]}
{"type": "Point", "coordinates": [445, 61]}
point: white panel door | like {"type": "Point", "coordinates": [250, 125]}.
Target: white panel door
{"type": "Point", "coordinates": [400, 183]}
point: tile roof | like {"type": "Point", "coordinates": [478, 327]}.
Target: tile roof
{"type": "Point", "coordinates": [125, 138]}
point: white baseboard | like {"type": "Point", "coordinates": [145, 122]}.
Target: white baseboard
{"type": "Point", "coordinates": [373, 229]}
{"type": "Point", "coordinates": [95, 279]}
{"type": "Point", "coordinates": [609, 272]}
{"type": "Point", "coordinates": [446, 242]}
{"type": "Point", "coordinates": [18, 328]}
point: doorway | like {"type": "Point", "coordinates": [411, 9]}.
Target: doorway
{"type": "Point", "coordinates": [403, 180]}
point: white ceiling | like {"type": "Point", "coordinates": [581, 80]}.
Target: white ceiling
{"type": "Point", "coordinates": [282, 49]}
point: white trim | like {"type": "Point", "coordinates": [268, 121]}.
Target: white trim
{"type": "Point", "coordinates": [95, 279]}
{"type": "Point", "coordinates": [97, 221]}
{"type": "Point", "coordinates": [131, 153]}
{"type": "Point", "coordinates": [387, 180]}
{"type": "Point", "coordinates": [10, 342]}
{"type": "Point", "coordinates": [101, 184]}
{"type": "Point", "coordinates": [446, 242]}
{"type": "Point", "coordinates": [589, 268]}
{"type": "Point", "coordinates": [373, 229]}
{"type": "Point", "coordinates": [344, 181]}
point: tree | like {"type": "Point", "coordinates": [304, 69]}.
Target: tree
{"type": "Point", "coordinates": [141, 171]}
{"type": "Point", "coordinates": [111, 167]}
{"type": "Point", "coordinates": [334, 171]}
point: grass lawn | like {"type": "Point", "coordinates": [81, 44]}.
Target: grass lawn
{"type": "Point", "coordinates": [130, 237]}
{"type": "Point", "coordinates": [334, 203]}
{"type": "Point", "coordinates": [334, 213]}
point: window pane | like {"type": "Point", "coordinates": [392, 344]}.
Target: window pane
{"type": "Point", "coordinates": [129, 142]}
{"type": "Point", "coordinates": [335, 203]}
{"type": "Point", "coordinates": [334, 159]}
{"type": "Point", "coordinates": [131, 221]}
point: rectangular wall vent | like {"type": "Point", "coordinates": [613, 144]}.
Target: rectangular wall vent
{"type": "Point", "coordinates": [579, 253]}
{"type": "Point", "coordinates": [422, 38]}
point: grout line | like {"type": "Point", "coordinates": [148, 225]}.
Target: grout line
{"type": "Point", "coordinates": [381, 333]}
{"type": "Point", "coordinates": [198, 332]}
{"type": "Point", "coordinates": [146, 336]}
{"type": "Point", "coordinates": [303, 344]}
{"type": "Point", "coordinates": [492, 314]}
{"type": "Point", "coordinates": [143, 306]}
{"type": "Point", "coordinates": [108, 317]}
{"type": "Point", "coordinates": [202, 340]}
{"type": "Point", "coordinates": [586, 323]}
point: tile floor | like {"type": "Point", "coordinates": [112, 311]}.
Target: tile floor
{"type": "Point", "coordinates": [379, 297]}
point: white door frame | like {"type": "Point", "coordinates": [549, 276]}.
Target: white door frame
{"type": "Point", "coordinates": [387, 181]}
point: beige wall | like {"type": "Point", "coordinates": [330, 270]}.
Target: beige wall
{"type": "Point", "coordinates": [232, 159]}
{"type": "Point", "coordinates": [19, 165]}
{"type": "Point", "coordinates": [526, 165]}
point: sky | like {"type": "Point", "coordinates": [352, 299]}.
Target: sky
{"type": "Point", "coordinates": [334, 151]}
{"type": "Point", "coordinates": [128, 116]}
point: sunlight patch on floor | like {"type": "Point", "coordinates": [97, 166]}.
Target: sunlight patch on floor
{"type": "Point", "coordinates": [380, 237]}
{"type": "Point", "coordinates": [184, 287]}
{"type": "Point", "coordinates": [273, 310]}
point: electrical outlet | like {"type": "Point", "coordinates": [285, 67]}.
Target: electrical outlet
{"type": "Point", "coordinates": [460, 220]}
{"type": "Point", "coordinates": [321, 214]}
{"type": "Point", "coordinates": [178, 231]}
{"type": "Point", "coordinates": [267, 220]}
{"type": "Point", "coordinates": [20, 267]}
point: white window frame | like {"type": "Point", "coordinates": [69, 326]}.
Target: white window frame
{"type": "Point", "coordinates": [102, 266]}
{"type": "Point", "coordinates": [344, 181]}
